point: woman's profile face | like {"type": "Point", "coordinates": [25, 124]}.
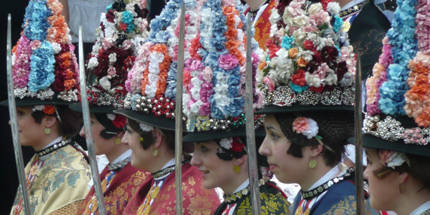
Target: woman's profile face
{"type": "Point", "coordinates": [382, 190]}
{"type": "Point", "coordinates": [287, 168]}
{"type": "Point", "coordinates": [140, 158]}
{"type": "Point", "coordinates": [30, 132]}
{"type": "Point", "coordinates": [101, 145]}
{"type": "Point", "coordinates": [216, 172]}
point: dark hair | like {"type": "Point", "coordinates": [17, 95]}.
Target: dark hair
{"type": "Point", "coordinates": [418, 168]}
{"type": "Point", "coordinates": [335, 127]}
{"type": "Point", "coordinates": [149, 136]}
{"type": "Point", "coordinates": [69, 122]}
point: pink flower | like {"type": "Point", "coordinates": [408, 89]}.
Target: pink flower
{"type": "Point", "coordinates": [111, 71]}
{"type": "Point", "coordinates": [35, 44]}
{"type": "Point", "coordinates": [300, 125]}
{"type": "Point", "coordinates": [270, 84]}
{"type": "Point", "coordinates": [106, 44]}
{"type": "Point", "coordinates": [227, 61]}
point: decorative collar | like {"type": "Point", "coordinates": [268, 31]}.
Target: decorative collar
{"type": "Point", "coordinates": [232, 198]}
{"type": "Point", "coordinates": [118, 165]}
{"type": "Point", "coordinates": [325, 186]}
{"type": "Point", "coordinates": [60, 143]}
{"type": "Point", "coordinates": [423, 209]}
{"type": "Point", "coordinates": [163, 173]}
{"type": "Point", "coordinates": [352, 9]}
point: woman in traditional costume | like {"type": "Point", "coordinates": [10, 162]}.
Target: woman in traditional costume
{"type": "Point", "coordinates": [149, 107]}
{"type": "Point", "coordinates": [110, 60]}
{"type": "Point", "coordinates": [308, 80]}
{"type": "Point", "coordinates": [213, 107]}
{"type": "Point", "coordinates": [45, 81]}
{"type": "Point", "coordinates": [396, 125]}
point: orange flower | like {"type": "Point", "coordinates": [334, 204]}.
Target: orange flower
{"type": "Point", "coordinates": [69, 74]}
{"type": "Point", "coordinates": [301, 62]}
{"type": "Point", "coordinates": [293, 52]}
{"type": "Point", "coordinates": [49, 109]}
{"type": "Point", "coordinates": [262, 65]}
{"type": "Point", "coordinates": [69, 84]}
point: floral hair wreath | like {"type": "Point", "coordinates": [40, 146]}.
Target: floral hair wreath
{"type": "Point", "coordinates": [47, 109]}
{"type": "Point", "coordinates": [230, 148]}
{"type": "Point", "coordinates": [118, 121]}
{"type": "Point", "coordinates": [393, 159]}
{"type": "Point", "coordinates": [309, 128]}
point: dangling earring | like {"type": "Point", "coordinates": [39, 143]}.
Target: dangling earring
{"type": "Point", "coordinates": [236, 169]}
{"type": "Point", "coordinates": [47, 131]}
{"type": "Point", "coordinates": [312, 163]}
{"type": "Point", "coordinates": [141, 139]}
{"type": "Point", "coordinates": [117, 141]}
{"type": "Point", "coordinates": [155, 153]}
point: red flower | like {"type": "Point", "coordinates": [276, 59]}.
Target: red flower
{"type": "Point", "coordinates": [119, 121]}
{"type": "Point", "coordinates": [123, 26]}
{"type": "Point", "coordinates": [49, 109]}
{"type": "Point", "coordinates": [316, 89]}
{"type": "Point", "coordinates": [237, 145]}
{"type": "Point", "coordinates": [299, 78]}
{"type": "Point", "coordinates": [110, 16]}
{"type": "Point", "coordinates": [308, 44]}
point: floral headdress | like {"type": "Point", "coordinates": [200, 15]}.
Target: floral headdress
{"type": "Point", "coordinates": [397, 92]}
{"type": "Point", "coordinates": [44, 65]}
{"type": "Point", "coordinates": [214, 75]}
{"type": "Point", "coordinates": [122, 29]}
{"type": "Point", "coordinates": [151, 83]}
{"type": "Point", "coordinates": [230, 148]}
{"type": "Point", "coordinates": [309, 60]}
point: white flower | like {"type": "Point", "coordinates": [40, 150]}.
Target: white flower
{"type": "Point", "coordinates": [333, 7]}
{"type": "Point", "coordinates": [38, 108]}
{"type": "Point", "coordinates": [226, 143]}
{"type": "Point", "coordinates": [56, 47]}
{"type": "Point", "coordinates": [396, 159]}
{"type": "Point", "coordinates": [105, 83]}
{"type": "Point", "coordinates": [315, 8]}
{"type": "Point", "coordinates": [112, 58]}
{"type": "Point", "coordinates": [93, 63]}
{"type": "Point", "coordinates": [331, 78]}
{"type": "Point", "coordinates": [145, 127]}
{"type": "Point", "coordinates": [312, 130]}
{"type": "Point", "coordinates": [110, 116]}
{"type": "Point", "coordinates": [312, 80]}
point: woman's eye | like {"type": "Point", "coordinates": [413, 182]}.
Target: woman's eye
{"type": "Point", "coordinates": [203, 149]}
{"type": "Point", "coordinates": [273, 136]}
{"type": "Point", "coordinates": [368, 161]}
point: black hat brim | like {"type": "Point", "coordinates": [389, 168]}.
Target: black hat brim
{"type": "Point", "coordinates": [373, 142]}
{"type": "Point", "coordinates": [93, 108]}
{"type": "Point", "coordinates": [193, 137]}
{"type": "Point", "coordinates": [273, 109]}
{"type": "Point", "coordinates": [33, 101]}
{"type": "Point", "coordinates": [150, 119]}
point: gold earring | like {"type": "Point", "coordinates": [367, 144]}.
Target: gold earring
{"type": "Point", "coordinates": [236, 169]}
{"type": "Point", "coordinates": [155, 153]}
{"type": "Point", "coordinates": [47, 131]}
{"type": "Point", "coordinates": [117, 141]}
{"type": "Point", "coordinates": [312, 164]}
{"type": "Point", "coordinates": [141, 139]}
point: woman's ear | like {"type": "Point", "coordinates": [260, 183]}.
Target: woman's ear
{"type": "Point", "coordinates": [315, 150]}
{"type": "Point", "coordinates": [48, 121]}
{"type": "Point", "coordinates": [159, 137]}
{"type": "Point", "coordinates": [241, 161]}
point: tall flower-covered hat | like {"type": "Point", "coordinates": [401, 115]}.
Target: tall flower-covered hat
{"type": "Point", "coordinates": [151, 83]}
{"type": "Point", "coordinates": [309, 63]}
{"type": "Point", "coordinates": [122, 29]}
{"type": "Point", "coordinates": [397, 103]}
{"type": "Point", "coordinates": [44, 66]}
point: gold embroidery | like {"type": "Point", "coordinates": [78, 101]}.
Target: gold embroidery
{"type": "Point", "coordinates": [270, 204]}
{"type": "Point", "coordinates": [344, 207]}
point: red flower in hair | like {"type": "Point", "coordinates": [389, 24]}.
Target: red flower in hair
{"type": "Point", "coordinates": [49, 109]}
{"type": "Point", "coordinates": [237, 145]}
{"type": "Point", "coordinates": [119, 121]}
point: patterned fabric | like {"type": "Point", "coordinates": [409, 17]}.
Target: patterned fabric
{"type": "Point", "coordinates": [273, 201]}
{"type": "Point", "coordinates": [339, 199]}
{"type": "Point", "coordinates": [196, 199]}
{"type": "Point", "coordinates": [262, 25]}
{"type": "Point", "coordinates": [55, 182]}
{"type": "Point", "coordinates": [118, 187]}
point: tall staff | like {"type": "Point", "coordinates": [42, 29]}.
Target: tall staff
{"type": "Point", "coordinates": [178, 112]}
{"type": "Point", "coordinates": [250, 132]}
{"type": "Point", "coordinates": [87, 125]}
{"type": "Point", "coordinates": [14, 123]}
{"type": "Point", "coordinates": [358, 142]}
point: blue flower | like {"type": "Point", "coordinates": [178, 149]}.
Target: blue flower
{"type": "Point", "coordinates": [36, 19]}
{"type": "Point", "coordinates": [298, 88]}
{"type": "Point", "coordinates": [41, 68]}
{"type": "Point", "coordinates": [338, 22]}
{"type": "Point", "coordinates": [127, 18]}
{"type": "Point", "coordinates": [287, 42]}
{"type": "Point", "coordinates": [171, 81]}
